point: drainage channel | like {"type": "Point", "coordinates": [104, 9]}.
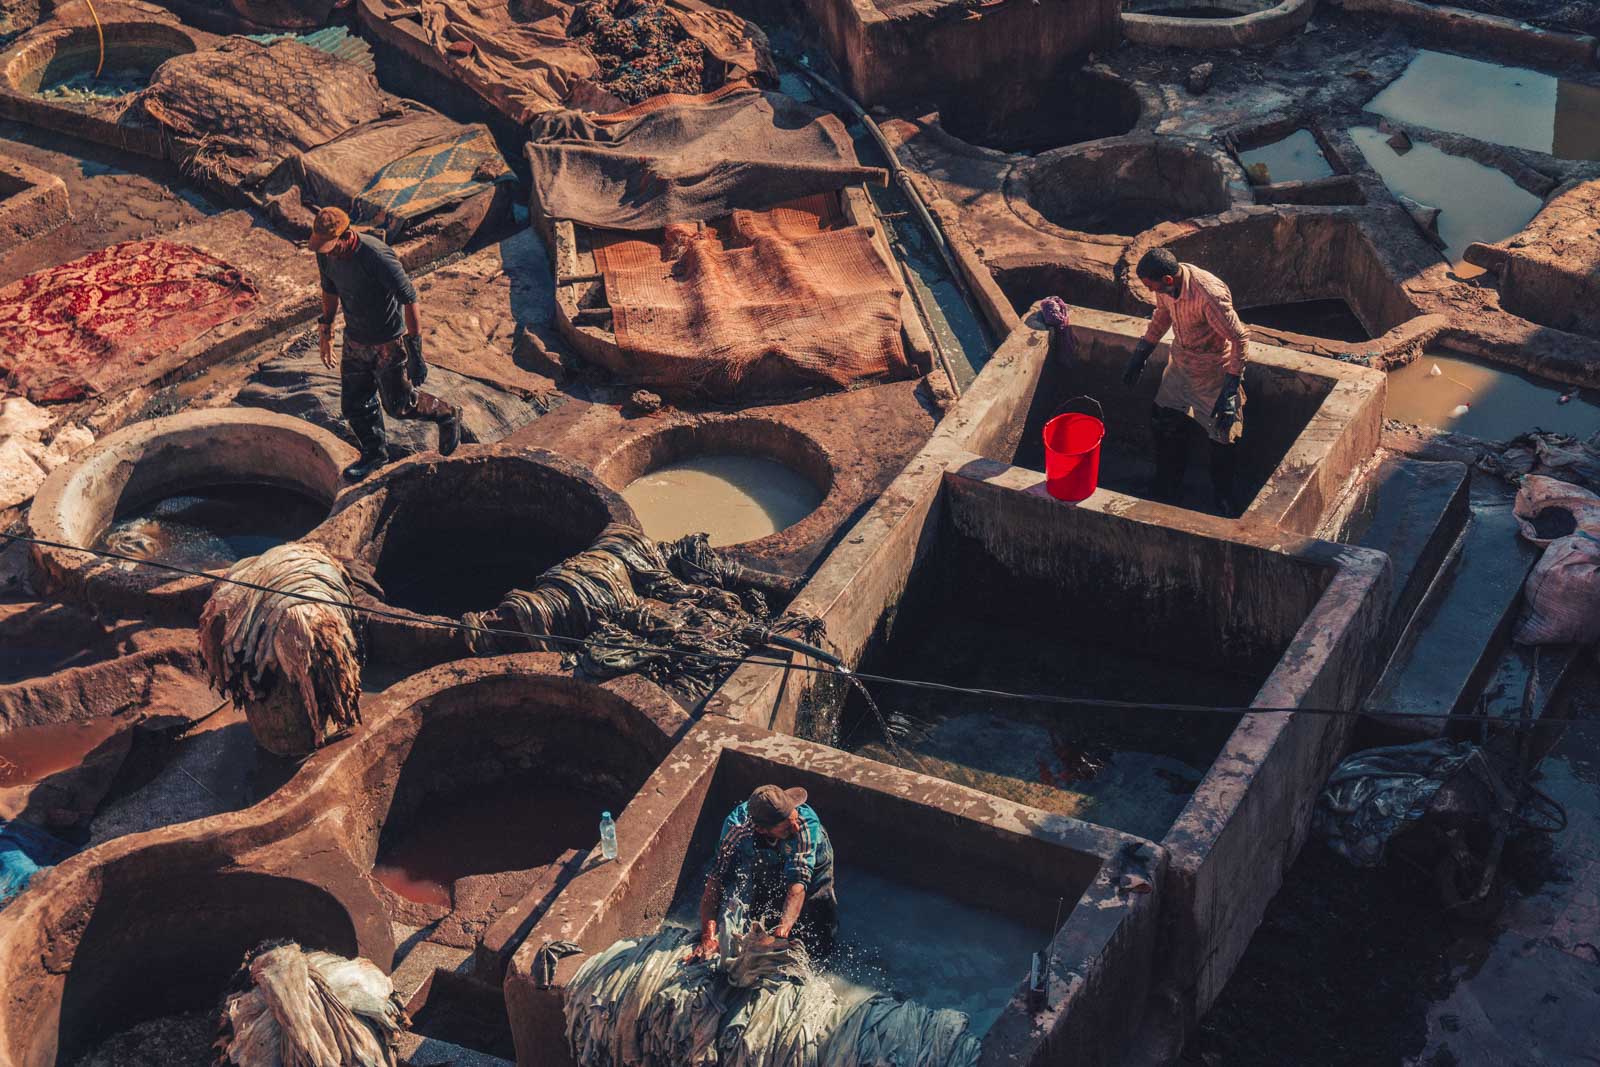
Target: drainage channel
{"type": "Point", "coordinates": [957, 328]}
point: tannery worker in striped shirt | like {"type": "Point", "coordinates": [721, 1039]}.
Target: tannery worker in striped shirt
{"type": "Point", "coordinates": [774, 856]}
{"type": "Point", "coordinates": [1202, 381]}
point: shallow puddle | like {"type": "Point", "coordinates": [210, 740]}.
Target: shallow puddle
{"type": "Point", "coordinates": [1133, 771]}
{"type": "Point", "coordinates": [1511, 106]}
{"type": "Point", "coordinates": [733, 498]}
{"type": "Point", "coordinates": [507, 826]}
{"type": "Point", "coordinates": [1500, 402]}
{"type": "Point", "coordinates": [33, 753]}
{"type": "Point", "coordinates": [1330, 319]}
{"type": "Point", "coordinates": [1477, 203]}
{"type": "Point", "coordinates": [215, 527]}
{"type": "Point", "coordinates": [1296, 158]}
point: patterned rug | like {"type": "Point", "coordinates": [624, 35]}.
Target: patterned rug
{"type": "Point", "coordinates": [429, 178]}
{"type": "Point", "coordinates": [75, 330]}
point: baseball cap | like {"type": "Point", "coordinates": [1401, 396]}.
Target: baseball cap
{"type": "Point", "coordinates": [770, 805]}
{"type": "Point", "coordinates": [330, 225]}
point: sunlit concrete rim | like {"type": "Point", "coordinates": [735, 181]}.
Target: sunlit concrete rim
{"type": "Point", "coordinates": [149, 460]}
{"type": "Point", "coordinates": [1258, 27]}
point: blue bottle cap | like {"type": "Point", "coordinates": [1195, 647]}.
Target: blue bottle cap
{"type": "Point", "coordinates": [605, 815]}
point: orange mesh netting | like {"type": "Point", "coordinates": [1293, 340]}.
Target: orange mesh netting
{"type": "Point", "coordinates": [761, 305]}
{"type": "Point", "coordinates": [74, 330]}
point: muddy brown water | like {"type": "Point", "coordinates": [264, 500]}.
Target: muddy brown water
{"type": "Point", "coordinates": [215, 527]}
{"type": "Point", "coordinates": [1476, 202]}
{"type": "Point", "coordinates": [1329, 319]}
{"type": "Point", "coordinates": [31, 754]}
{"type": "Point", "coordinates": [507, 826]}
{"type": "Point", "coordinates": [1501, 402]}
{"type": "Point", "coordinates": [1129, 771]}
{"type": "Point", "coordinates": [1295, 158]}
{"type": "Point", "coordinates": [1510, 106]}
{"type": "Point", "coordinates": [733, 498]}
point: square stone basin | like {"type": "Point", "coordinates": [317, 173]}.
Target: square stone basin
{"type": "Point", "coordinates": [968, 573]}
{"type": "Point", "coordinates": [1309, 421]}
{"type": "Point", "coordinates": [989, 875]}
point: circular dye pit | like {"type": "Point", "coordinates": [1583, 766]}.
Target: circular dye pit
{"type": "Point", "coordinates": [201, 489]}
{"type": "Point", "coordinates": [1036, 116]}
{"type": "Point", "coordinates": [1125, 186]}
{"type": "Point", "coordinates": [61, 68]}
{"type": "Point", "coordinates": [449, 536]}
{"type": "Point", "coordinates": [214, 528]}
{"type": "Point", "coordinates": [733, 498]}
{"type": "Point", "coordinates": [31, 754]}
{"type": "Point", "coordinates": [464, 833]}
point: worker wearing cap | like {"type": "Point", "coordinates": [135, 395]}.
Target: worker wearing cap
{"type": "Point", "coordinates": [382, 355]}
{"type": "Point", "coordinates": [775, 854]}
{"type": "Point", "coordinates": [1202, 381]}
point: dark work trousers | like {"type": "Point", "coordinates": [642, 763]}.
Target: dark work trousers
{"type": "Point", "coordinates": [368, 372]}
{"type": "Point", "coordinates": [1172, 433]}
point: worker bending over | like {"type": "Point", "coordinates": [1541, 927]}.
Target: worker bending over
{"type": "Point", "coordinates": [382, 354]}
{"type": "Point", "coordinates": [1205, 366]}
{"type": "Point", "coordinates": [774, 855]}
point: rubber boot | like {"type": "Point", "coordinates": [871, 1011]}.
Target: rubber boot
{"type": "Point", "coordinates": [1169, 431]}
{"type": "Point", "coordinates": [369, 462]}
{"type": "Point", "coordinates": [450, 432]}
{"type": "Point", "coordinates": [1224, 464]}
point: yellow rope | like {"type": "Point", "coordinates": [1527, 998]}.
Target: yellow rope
{"type": "Point", "coordinates": [101, 33]}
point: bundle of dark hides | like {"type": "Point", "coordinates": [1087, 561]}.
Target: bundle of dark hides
{"type": "Point", "coordinates": [292, 665]}
{"type": "Point", "coordinates": [293, 1008]}
{"type": "Point", "coordinates": [762, 1004]}
{"type": "Point", "coordinates": [660, 601]}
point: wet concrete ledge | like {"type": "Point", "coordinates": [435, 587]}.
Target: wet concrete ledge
{"type": "Point", "coordinates": [156, 922]}
{"type": "Point", "coordinates": [150, 460]}
{"type": "Point", "coordinates": [1473, 29]}
{"type": "Point", "coordinates": [913, 823]}
{"type": "Point", "coordinates": [32, 203]}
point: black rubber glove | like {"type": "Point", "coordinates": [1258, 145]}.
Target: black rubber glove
{"type": "Point", "coordinates": [1141, 356]}
{"type": "Point", "coordinates": [1226, 409]}
{"type": "Point", "coordinates": [416, 366]}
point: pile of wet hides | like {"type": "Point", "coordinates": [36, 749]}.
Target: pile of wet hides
{"type": "Point", "coordinates": [288, 129]}
{"type": "Point", "coordinates": [682, 159]}
{"type": "Point", "coordinates": [761, 1004]}
{"type": "Point", "coordinates": [526, 57]}
{"type": "Point", "coordinates": [75, 330]}
{"type": "Point", "coordinates": [1553, 455]}
{"type": "Point", "coordinates": [294, 666]}
{"type": "Point", "coordinates": [25, 851]}
{"type": "Point", "coordinates": [764, 307]}
{"type": "Point", "coordinates": [1375, 795]}
{"type": "Point", "coordinates": [677, 612]}
{"type": "Point", "coordinates": [293, 1008]}
{"type": "Point", "coordinates": [1561, 598]}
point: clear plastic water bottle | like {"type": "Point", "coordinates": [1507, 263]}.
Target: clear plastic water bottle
{"type": "Point", "coordinates": [608, 836]}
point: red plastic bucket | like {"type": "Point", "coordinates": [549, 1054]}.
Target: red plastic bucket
{"type": "Point", "coordinates": [1072, 451]}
